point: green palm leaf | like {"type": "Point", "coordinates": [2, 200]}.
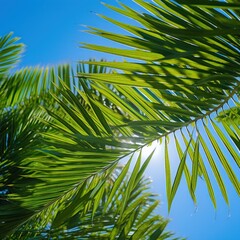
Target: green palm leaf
{"type": "Point", "coordinates": [187, 70]}
{"type": "Point", "coordinates": [89, 212]}
{"type": "Point", "coordinates": [9, 54]}
{"type": "Point", "coordinates": [42, 163]}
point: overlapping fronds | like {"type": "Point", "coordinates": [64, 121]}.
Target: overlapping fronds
{"type": "Point", "coordinates": [57, 151]}
{"type": "Point", "coordinates": [186, 71]}
{"type": "Point", "coordinates": [33, 85]}
{"type": "Point", "coordinates": [62, 133]}
{"type": "Point", "coordinates": [113, 205]}
{"type": "Point", "coordinates": [37, 167]}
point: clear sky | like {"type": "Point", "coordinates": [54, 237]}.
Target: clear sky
{"type": "Point", "coordinates": [52, 31]}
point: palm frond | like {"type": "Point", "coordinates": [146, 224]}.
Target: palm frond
{"type": "Point", "coordinates": [47, 155]}
{"type": "Point", "coordinates": [9, 53]}
{"type": "Point", "coordinates": [94, 210]}
{"type": "Point", "coordinates": [35, 83]}
{"type": "Point", "coordinates": [187, 71]}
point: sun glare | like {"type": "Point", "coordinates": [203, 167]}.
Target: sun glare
{"type": "Point", "coordinates": [146, 151]}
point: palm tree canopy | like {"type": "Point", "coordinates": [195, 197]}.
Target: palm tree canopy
{"type": "Point", "coordinates": [57, 185]}
{"type": "Point", "coordinates": [63, 127]}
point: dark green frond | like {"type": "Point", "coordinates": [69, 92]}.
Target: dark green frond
{"type": "Point", "coordinates": [94, 210]}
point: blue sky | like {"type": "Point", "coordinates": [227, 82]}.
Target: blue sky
{"type": "Point", "coordinates": [52, 31]}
